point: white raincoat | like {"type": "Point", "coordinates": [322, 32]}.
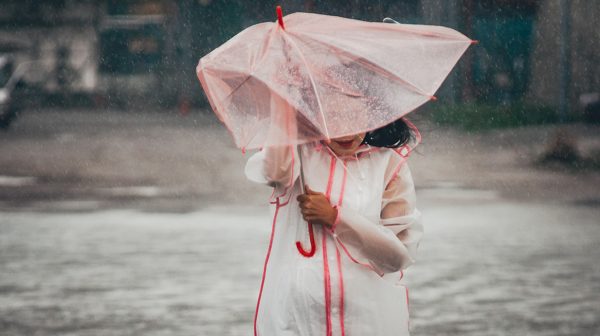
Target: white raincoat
{"type": "Point", "coordinates": [351, 285]}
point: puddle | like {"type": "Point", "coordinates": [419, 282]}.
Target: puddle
{"type": "Point", "coordinates": [16, 181]}
{"type": "Point", "coordinates": [138, 191]}
{"type": "Point", "coordinates": [454, 191]}
{"type": "Point", "coordinates": [65, 206]}
{"type": "Point", "coordinates": [590, 202]}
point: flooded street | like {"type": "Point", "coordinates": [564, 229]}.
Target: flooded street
{"type": "Point", "coordinates": [503, 268]}
{"type": "Point", "coordinates": [485, 268]}
{"type": "Point", "coordinates": [129, 273]}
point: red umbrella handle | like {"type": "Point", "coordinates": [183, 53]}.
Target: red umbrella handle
{"type": "Point", "coordinates": [313, 248]}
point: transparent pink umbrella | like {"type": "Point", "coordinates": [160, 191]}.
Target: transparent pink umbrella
{"type": "Point", "coordinates": [319, 77]}
{"type": "Point", "coordinates": [331, 76]}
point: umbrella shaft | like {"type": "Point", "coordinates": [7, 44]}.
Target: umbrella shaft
{"type": "Point", "coordinates": [301, 169]}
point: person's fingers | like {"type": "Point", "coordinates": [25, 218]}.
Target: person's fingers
{"type": "Point", "coordinates": [306, 205]}
{"type": "Point", "coordinates": [318, 202]}
{"type": "Point", "coordinates": [306, 211]}
{"type": "Point", "coordinates": [306, 198]}
{"type": "Point", "coordinates": [302, 198]}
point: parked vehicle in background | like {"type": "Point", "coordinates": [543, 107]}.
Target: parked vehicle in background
{"type": "Point", "coordinates": [10, 83]}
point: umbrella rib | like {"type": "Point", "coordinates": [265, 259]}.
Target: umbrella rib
{"type": "Point", "coordinates": [404, 28]}
{"type": "Point", "coordinates": [362, 60]}
{"type": "Point", "coordinates": [211, 97]}
{"type": "Point", "coordinates": [263, 52]}
{"type": "Point", "coordinates": [312, 82]}
{"type": "Point", "coordinates": [246, 78]}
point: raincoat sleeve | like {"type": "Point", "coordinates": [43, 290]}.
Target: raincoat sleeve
{"type": "Point", "coordinates": [277, 167]}
{"type": "Point", "coordinates": [391, 244]}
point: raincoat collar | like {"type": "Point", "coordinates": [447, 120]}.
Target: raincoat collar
{"type": "Point", "coordinates": [360, 151]}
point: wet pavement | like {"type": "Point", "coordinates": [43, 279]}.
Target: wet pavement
{"type": "Point", "coordinates": [143, 224]}
{"type": "Point", "coordinates": [485, 268]}
{"type": "Point", "coordinates": [52, 160]}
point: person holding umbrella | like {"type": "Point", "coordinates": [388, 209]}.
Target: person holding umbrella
{"type": "Point", "coordinates": [324, 98]}
{"type": "Point", "coordinates": [360, 196]}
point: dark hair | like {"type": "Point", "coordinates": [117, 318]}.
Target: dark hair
{"type": "Point", "coordinates": [392, 135]}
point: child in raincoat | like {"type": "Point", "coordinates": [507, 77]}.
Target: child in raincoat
{"type": "Point", "coordinates": [339, 275]}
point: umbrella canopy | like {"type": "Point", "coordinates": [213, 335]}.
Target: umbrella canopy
{"type": "Point", "coordinates": [318, 77]}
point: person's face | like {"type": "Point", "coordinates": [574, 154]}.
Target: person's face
{"type": "Point", "coordinates": [346, 145]}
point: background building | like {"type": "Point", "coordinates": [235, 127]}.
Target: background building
{"type": "Point", "coordinates": [57, 40]}
{"type": "Point", "coordinates": [139, 52]}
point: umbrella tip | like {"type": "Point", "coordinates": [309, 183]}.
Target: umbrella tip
{"type": "Point", "coordinates": [280, 17]}
{"type": "Point", "coordinates": [433, 98]}
{"type": "Point", "coordinates": [474, 42]}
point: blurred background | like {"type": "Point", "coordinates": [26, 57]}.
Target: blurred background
{"type": "Point", "coordinates": [123, 53]}
{"type": "Point", "coordinates": [124, 209]}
